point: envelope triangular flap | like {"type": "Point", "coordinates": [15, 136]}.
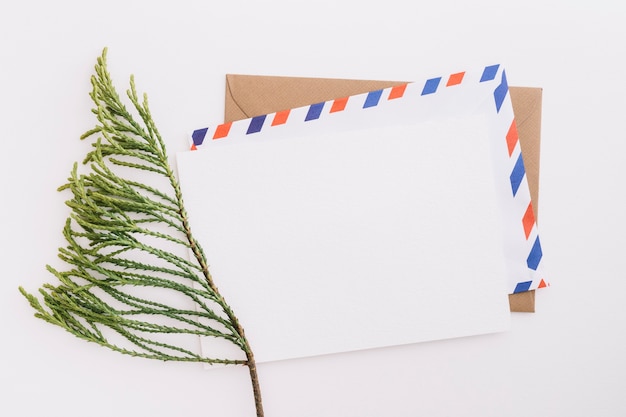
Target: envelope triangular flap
{"type": "Point", "coordinates": [249, 95]}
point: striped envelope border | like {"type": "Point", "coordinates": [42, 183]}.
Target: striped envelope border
{"type": "Point", "coordinates": [483, 90]}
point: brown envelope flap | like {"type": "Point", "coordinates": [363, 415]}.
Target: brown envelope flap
{"type": "Point", "coordinates": [250, 95]}
{"type": "Point", "coordinates": [255, 95]}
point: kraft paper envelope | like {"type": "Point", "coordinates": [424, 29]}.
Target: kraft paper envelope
{"type": "Point", "coordinates": [254, 95]}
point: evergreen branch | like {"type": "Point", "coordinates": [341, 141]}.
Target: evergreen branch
{"type": "Point", "coordinates": [155, 193]}
{"type": "Point", "coordinates": [108, 181]}
{"type": "Point", "coordinates": [77, 255]}
{"type": "Point", "coordinates": [144, 306]}
{"type": "Point", "coordinates": [113, 246]}
{"type": "Point", "coordinates": [137, 166]}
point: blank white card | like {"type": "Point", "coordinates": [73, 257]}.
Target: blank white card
{"type": "Point", "coordinates": [340, 241]}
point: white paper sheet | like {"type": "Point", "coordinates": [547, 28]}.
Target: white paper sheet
{"type": "Point", "coordinates": [347, 239]}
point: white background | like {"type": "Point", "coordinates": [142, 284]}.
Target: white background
{"type": "Point", "coordinates": [567, 359]}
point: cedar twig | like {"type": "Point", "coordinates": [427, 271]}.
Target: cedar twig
{"type": "Point", "coordinates": [121, 236]}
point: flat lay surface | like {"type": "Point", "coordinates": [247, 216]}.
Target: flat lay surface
{"type": "Point", "coordinates": [564, 359]}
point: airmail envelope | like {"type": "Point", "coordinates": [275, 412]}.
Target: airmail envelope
{"type": "Point", "coordinates": [254, 95]}
{"type": "Point", "coordinates": [370, 220]}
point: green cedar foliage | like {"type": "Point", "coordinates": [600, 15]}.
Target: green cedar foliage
{"type": "Point", "coordinates": [130, 284]}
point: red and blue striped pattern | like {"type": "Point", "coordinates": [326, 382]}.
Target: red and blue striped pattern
{"type": "Point", "coordinates": [492, 75]}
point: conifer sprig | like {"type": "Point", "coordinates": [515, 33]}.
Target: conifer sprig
{"type": "Point", "coordinates": [127, 238]}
